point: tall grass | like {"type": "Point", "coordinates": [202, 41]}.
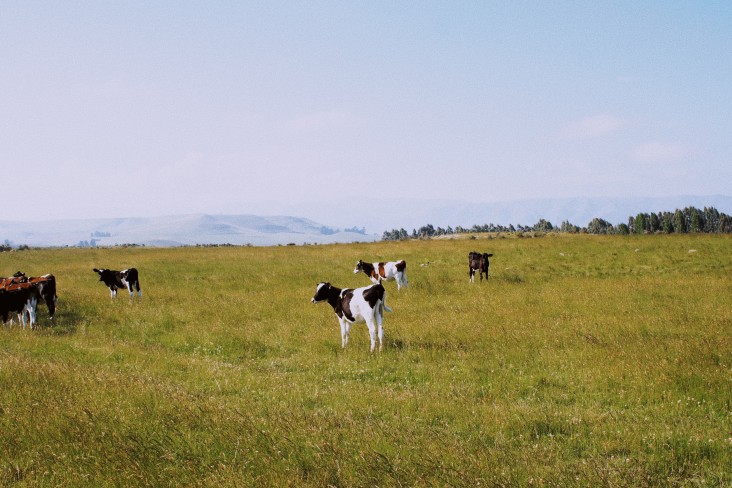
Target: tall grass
{"type": "Point", "coordinates": [582, 361]}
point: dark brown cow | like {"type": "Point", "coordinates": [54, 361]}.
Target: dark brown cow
{"type": "Point", "coordinates": [478, 262]}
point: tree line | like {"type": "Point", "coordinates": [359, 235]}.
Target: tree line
{"type": "Point", "coordinates": [688, 220]}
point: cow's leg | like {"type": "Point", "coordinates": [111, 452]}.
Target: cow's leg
{"type": "Point", "coordinates": [137, 286]}
{"type": "Point", "coordinates": [129, 288]}
{"type": "Point", "coordinates": [113, 291]}
{"type": "Point", "coordinates": [31, 309]}
{"type": "Point", "coordinates": [471, 273]}
{"type": "Point", "coordinates": [379, 322]}
{"type": "Point", "coordinates": [372, 332]}
{"type": "Point", "coordinates": [344, 332]}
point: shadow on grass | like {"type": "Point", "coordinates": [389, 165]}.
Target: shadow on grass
{"type": "Point", "coordinates": [65, 323]}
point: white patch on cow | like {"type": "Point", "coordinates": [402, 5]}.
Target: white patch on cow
{"type": "Point", "coordinates": [362, 312]}
{"type": "Point", "coordinates": [30, 307]}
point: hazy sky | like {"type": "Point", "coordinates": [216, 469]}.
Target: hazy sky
{"type": "Point", "coordinates": [139, 108]}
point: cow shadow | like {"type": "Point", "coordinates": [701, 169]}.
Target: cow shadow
{"type": "Point", "coordinates": [64, 324]}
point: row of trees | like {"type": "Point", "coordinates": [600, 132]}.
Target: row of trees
{"type": "Point", "coordinates": [688, 220]}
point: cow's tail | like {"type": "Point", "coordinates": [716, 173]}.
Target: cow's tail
{"type": "Point", "coordinates": [383, 305]}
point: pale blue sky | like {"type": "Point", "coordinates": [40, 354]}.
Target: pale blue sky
{"type": "Point", "coordinates": [115, 109]}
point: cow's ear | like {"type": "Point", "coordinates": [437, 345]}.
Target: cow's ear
{"type": "Point", "coordinates": [95, 270]}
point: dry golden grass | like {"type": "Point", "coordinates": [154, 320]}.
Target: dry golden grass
{"type": "Point", "coordinates": [582, 361]}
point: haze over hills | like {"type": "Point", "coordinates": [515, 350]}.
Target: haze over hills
{"type": "Point", "coordinates": [346, 222]}
{"type": "Point", "coordinates": [178, 230]}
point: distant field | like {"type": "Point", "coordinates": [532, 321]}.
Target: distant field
{"type": "Point", "coordinates": [582, 361]}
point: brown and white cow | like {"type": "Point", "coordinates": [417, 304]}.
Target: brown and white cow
{"type": "Point", "coordinates": [378, 272]}
{"type": "Point", "coordinates": [478, 262]}
{"type": "Point", "coordinates": [127, 278]}
{"type": "Point", "coordinates": [366, 304]}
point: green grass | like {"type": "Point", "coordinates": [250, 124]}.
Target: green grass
{"type": "Point", "coordinates": [582, 361]}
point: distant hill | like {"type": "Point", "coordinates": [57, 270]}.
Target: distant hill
{"type": "Point", "coordinates": [178, 230]}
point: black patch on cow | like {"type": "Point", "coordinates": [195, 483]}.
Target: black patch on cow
{"type": "Point", "coordinates": [401, 265]}
{"type": "Point", "coordinates": [343, 309]}
{"type": "Point", "coordinates": [373, 294]}
{"type": "Point", "coordinates": [367, 268]}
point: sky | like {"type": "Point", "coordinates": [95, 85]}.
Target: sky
{"type": "Point", "coordinates": [138, 108]}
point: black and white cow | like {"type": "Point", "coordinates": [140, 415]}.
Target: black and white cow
{"type": "Point", "coordinates": [126, 278]}
{"type": "Point", "coordinates": [366, 304]}
{"type": "Point", "coordinates": [46, 285]}
{"type": "Point", "coordinates": [20, 299]}
{"type": "Point", "coordinates": [478, 262]}
{"type": "Point", "coordinates": [391, 271]}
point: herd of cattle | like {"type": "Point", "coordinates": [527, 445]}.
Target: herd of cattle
{"type": "Point", "coordinates": [367, 304]}
{"type": "Point", "coordinates": [20, 294]}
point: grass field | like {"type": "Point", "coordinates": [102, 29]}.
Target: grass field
{"type": "Point", "coordinates": [582, 361]}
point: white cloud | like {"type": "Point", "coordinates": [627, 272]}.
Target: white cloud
{"type": "Point", "coordinates": [593, 126]}
{"type": "Point", "coordinates": [659, 152]}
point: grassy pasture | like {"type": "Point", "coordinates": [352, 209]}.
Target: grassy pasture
{"type": "Point", "coordinates": [582, 361]}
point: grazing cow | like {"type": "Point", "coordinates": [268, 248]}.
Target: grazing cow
{"type": "Point", "coordinates": [46, 285]}
{"type": "Point", "coordinates": [478, 262]}
{"type": "Point", "coordinates": [19, 298]}
{"type": "Point", "coordinates": [395, 270]}
{"type": "Point", "coordinates": [127, 278]}
{"type": "Point", "coordinates": [366, 304]}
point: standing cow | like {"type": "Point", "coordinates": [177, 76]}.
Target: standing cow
{"type": "Point", "coordinates": [478, 262]}
{"type": "Point", "coordinates": [46, 285]}
{"type": "Point", "coordinates": [126, 278]}
{"type": "Point", "coordinates": [378, 272]}
{"type": "Point", "coordinates": [366, 304]}
{"type": "Point", "coordinates": [20, 299]}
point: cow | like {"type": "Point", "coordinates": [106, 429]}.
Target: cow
{"type": "Point", "coordinates": [391, 271]}
{"type": "Point", "coordinates": [16, 278]}
{"type": "Point", "coordinates": [478, 262]}
{"type": "Point", "coordinates": [46, 285]}
{"type": "Point", "coordinates": [365, 304]}
{"type": "Point", "coordinates": [20, 299]}
{"type": "Point", "coordinates": [127, 278]}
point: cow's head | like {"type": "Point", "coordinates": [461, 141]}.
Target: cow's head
{"type": "Point", "coordinates": [321, 292]}
{"type": "Point", "coordinates": [105, 275]}
{"type": "Point", "coordinates": [19, 274]}
{"type": "Point", "coordinates": [359, 267]}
